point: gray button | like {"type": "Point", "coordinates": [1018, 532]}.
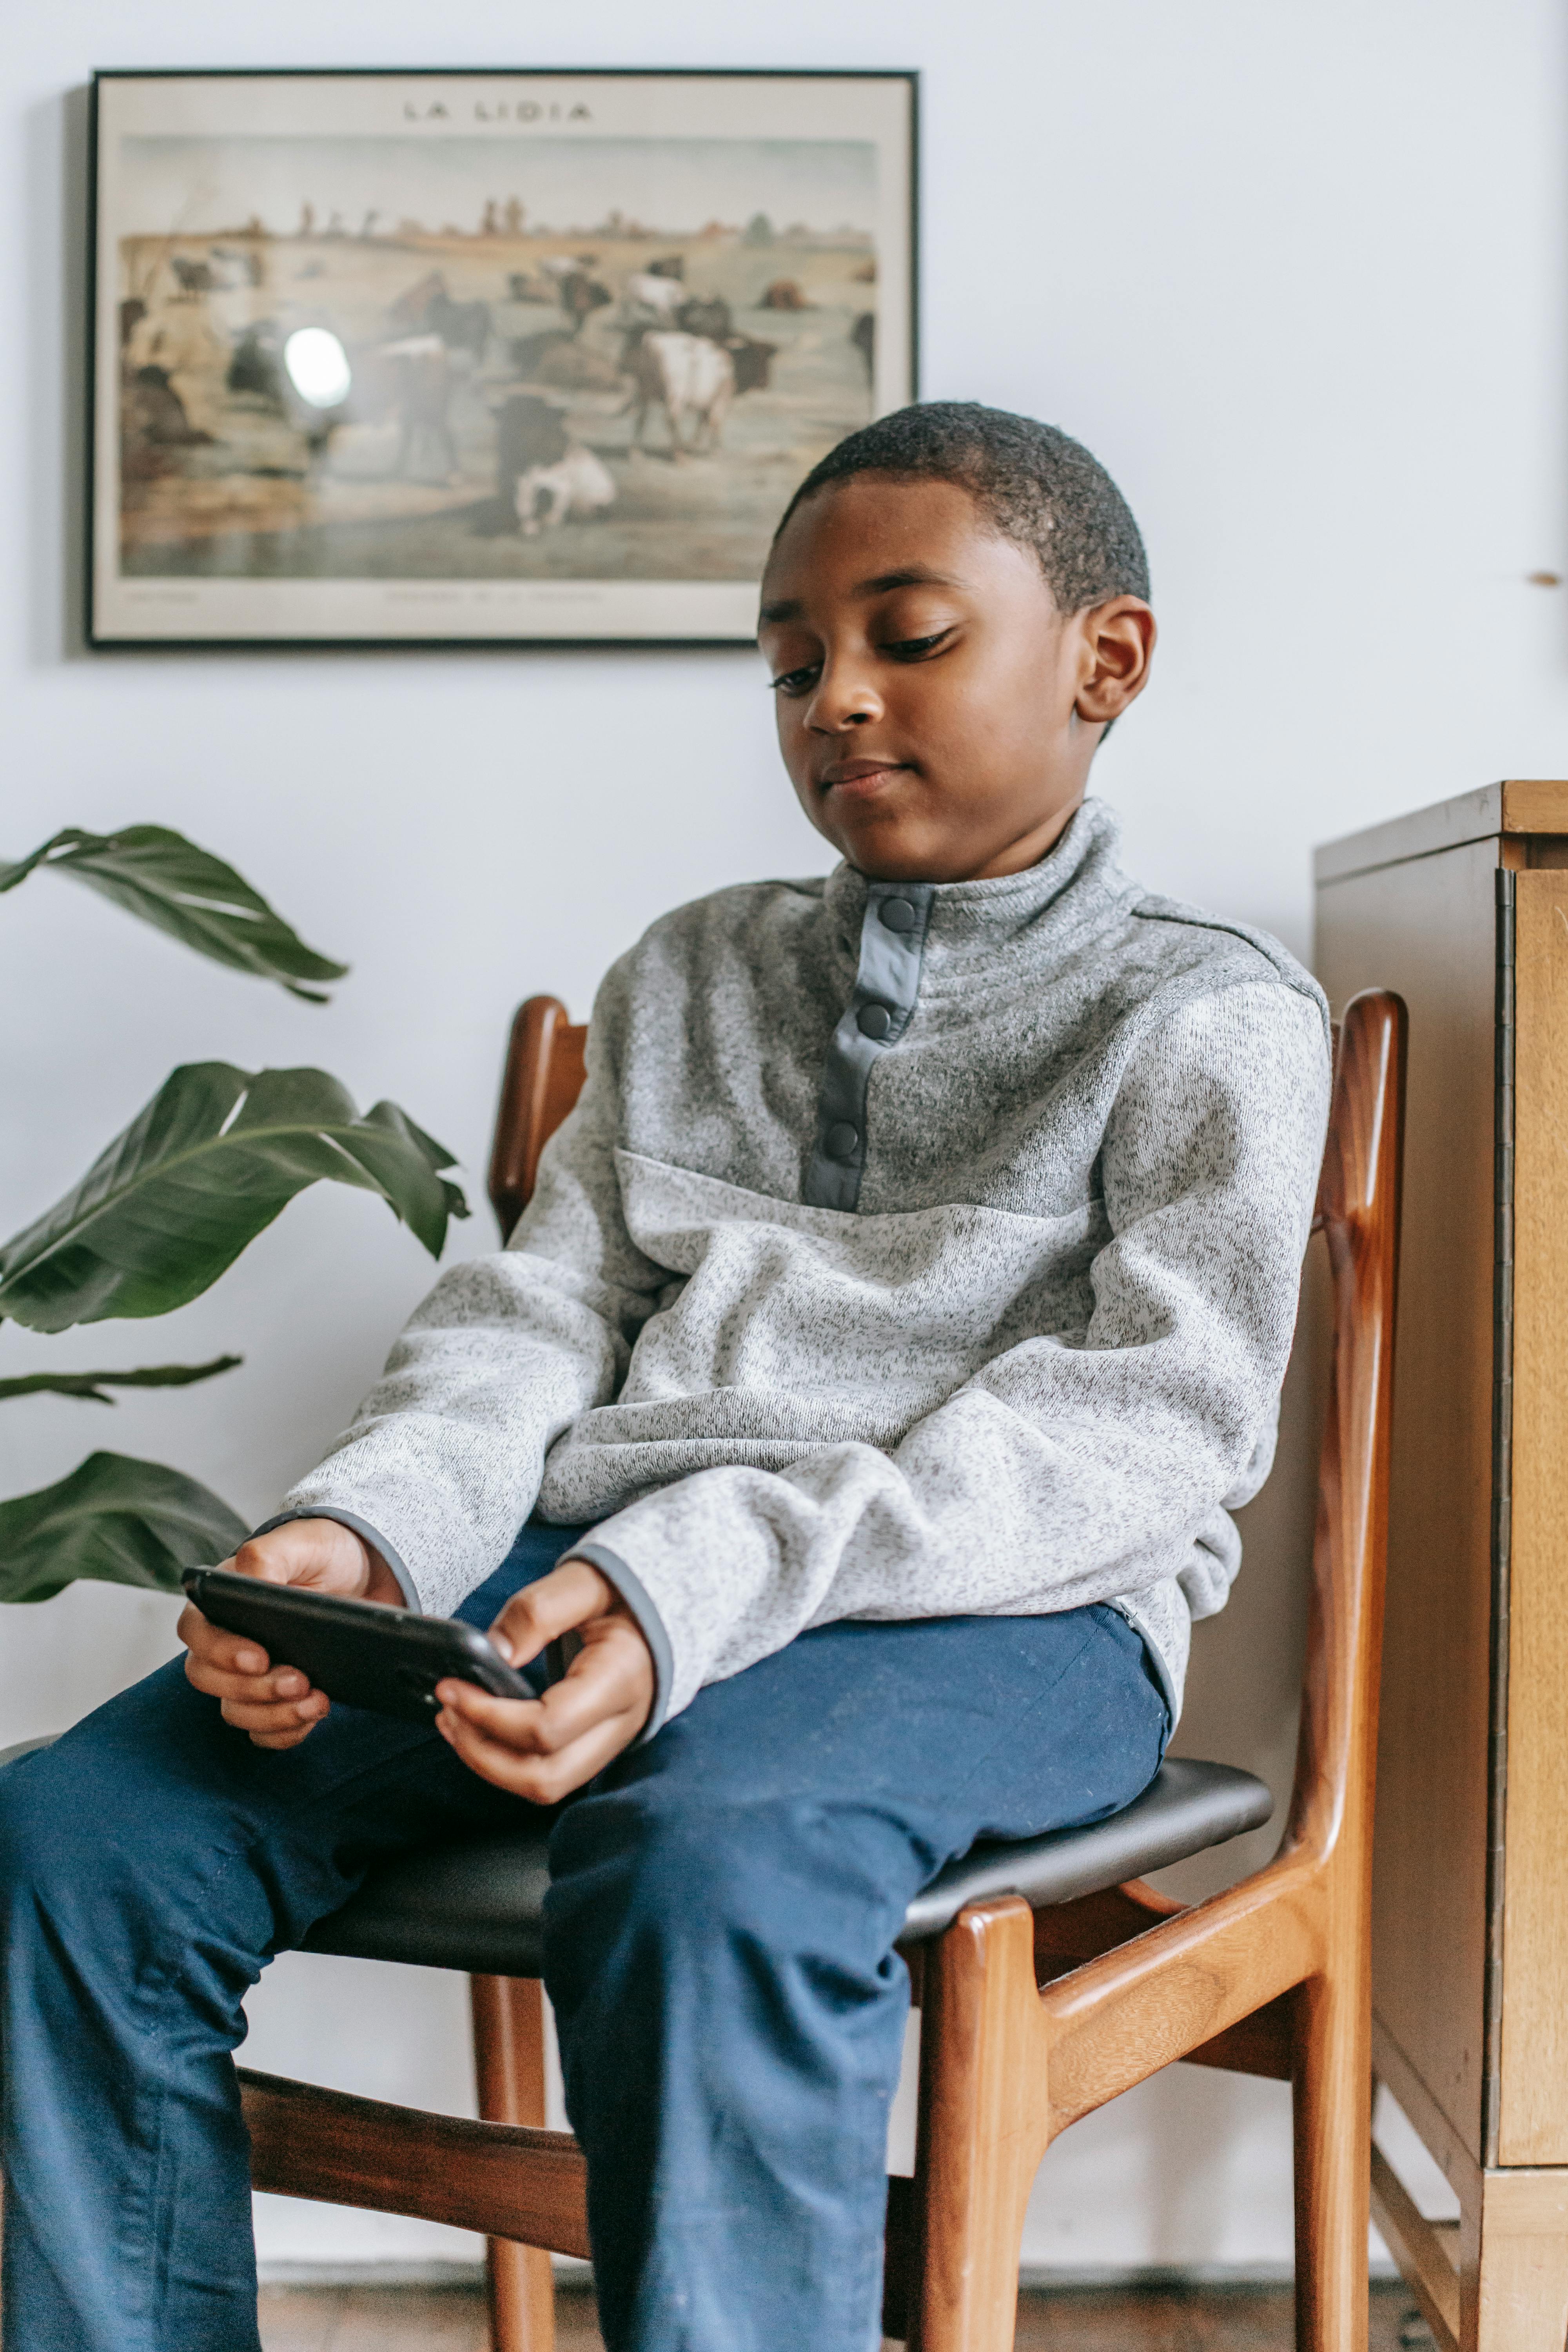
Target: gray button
{"type": "Point", "coordinates": [898, 914]}
{"type": "Point", "coordinates": [842, 1140]}
{"type": "Point", "coordinates": [873, 1021]}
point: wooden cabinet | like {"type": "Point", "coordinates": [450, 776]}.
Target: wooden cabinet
{"type": "Point", "coordinates": [1463, 908]}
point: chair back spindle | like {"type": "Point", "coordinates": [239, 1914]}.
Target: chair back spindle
{"type": "Point", "coordinates": [1358, 1215]}
{"type": "Point", "coordinates": [543, 1080]}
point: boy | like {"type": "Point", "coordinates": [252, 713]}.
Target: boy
{"type": "Point", "coordinates": [897, 1321]}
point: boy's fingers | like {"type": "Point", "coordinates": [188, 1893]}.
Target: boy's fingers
{"type": "Point", "coordinates": [542, 1779]}
{"type": "Point", "coordinates": [209, 1675]}
{"type": "Point", "coordinates": [275, 1705]}
{"type": "Point", "coordinates": [254, 1697]}
{"type": "Point", "coordinates": [222, 1680]}
{"type": "Point", "coordinates": [250, 1690]}
{"type": "Point", "coordinates": [607, 1679]}
{"type": "Point", "coordinates": [234, 1652]}
{"type": "Point", "coordinates": [262, 1715]}
{"type": "Point", "coordinates": [569, 1596]}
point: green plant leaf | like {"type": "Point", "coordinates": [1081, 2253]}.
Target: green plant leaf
{"type": "Point", "coordinates": [198, 1174]}
{"type": "Point", "coordinates": [96, 1385]}
{"type": "Point", "coordinates": [187, 892]}
{"type": "Point", "coordinates": [117, 1519]}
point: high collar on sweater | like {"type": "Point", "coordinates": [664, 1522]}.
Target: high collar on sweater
{"type": "Point", "coordinates": [1041, 910]}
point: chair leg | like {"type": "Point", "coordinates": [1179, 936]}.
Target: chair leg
{"type": "Point", "coordinates": [1331, 2103]}
{"type": "Point", "coordinates": [977, 2149]}
{"type": "Point", "coordinates": [508, 2063]}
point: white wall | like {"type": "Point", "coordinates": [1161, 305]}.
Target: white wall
{"type": "Point", "coordinates": [1295, 272]}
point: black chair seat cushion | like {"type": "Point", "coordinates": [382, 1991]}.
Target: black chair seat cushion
{"type": "Point", "coordinates": [478, 1904]}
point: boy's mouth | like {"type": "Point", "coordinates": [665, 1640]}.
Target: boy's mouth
{"type": "Point", "coordinates": [856, 778]}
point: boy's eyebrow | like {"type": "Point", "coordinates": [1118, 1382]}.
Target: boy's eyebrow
{"type": "Point", "coordinates": [909, 575]}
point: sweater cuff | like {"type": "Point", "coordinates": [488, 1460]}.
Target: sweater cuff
{"type": "Point", "coordinates": [650, 1625]}
{"type": "Point", "coordinates": [366, 1534]}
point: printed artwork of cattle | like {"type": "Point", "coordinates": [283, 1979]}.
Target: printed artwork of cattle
{"type": "Point", "coordinates": [513, 401]}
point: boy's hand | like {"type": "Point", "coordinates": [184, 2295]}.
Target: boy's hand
{"type": "Point", "coordinates": [543, 1748]}
{"type": "Point", "coordinates": [276, 1705]}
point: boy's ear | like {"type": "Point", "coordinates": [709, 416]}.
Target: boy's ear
{"type": "Point", "coordinates": [1116, 646]}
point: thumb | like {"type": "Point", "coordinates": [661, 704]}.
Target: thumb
{"type": "Point", "coordinates": [570, 1595]}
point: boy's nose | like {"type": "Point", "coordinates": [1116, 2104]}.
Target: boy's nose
{"type": "Point", "coordinates": [843, 700]}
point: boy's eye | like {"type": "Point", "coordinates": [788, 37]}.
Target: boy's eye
{"type": "Point", "coordinates": [900, 649]}
{"type": "Point", "coordinates": [915, 648]}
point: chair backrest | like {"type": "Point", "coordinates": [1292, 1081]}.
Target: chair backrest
{"type": "Point", "coordinates": [1358, 1215]}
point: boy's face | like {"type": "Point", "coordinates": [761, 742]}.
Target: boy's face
{"type": "Point", "coordinates": [936, 713]}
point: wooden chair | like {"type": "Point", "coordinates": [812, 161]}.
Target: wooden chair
{"type": "Point", "coordinates": [1050, 1977]}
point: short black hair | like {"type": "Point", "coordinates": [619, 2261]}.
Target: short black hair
{"type": "Point", "coordinates": [1034, 483]}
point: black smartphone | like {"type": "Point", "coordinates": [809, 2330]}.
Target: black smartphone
{"type": "Point", "coordinates": [389, 1660]}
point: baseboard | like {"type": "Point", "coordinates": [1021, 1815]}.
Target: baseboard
{"type": "Point", "coordinates": [1066, 2278]}
{"type": "Point", "coordinates": [1036, 2278]}
{"type": "Point", "coordinates": [460, 2277]}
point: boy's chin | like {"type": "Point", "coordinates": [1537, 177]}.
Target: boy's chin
{"type": "Point", "coordinates": [885, 862]}
{"type": "Point", "coordinates": [880, 851]}
{"type": "Point", "coordinates": [888, 845]}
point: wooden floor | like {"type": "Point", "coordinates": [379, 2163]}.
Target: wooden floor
{"type": "Point", "coordinates": [1149, 2319]}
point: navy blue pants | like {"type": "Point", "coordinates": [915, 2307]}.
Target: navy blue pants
{"type": "Point", "coordinates": [718, 1941]}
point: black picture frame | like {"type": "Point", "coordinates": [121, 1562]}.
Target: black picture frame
{"type": "Point", "coordinates": [224, 511]}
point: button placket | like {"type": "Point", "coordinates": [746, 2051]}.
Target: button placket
{"type": "Point", "coordinates": [887, 985]}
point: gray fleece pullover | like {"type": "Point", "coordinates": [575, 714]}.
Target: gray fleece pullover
{"type": "Point", "coordinates": [914, 1251]}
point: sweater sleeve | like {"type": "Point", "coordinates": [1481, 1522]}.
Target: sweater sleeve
{"type": "Point", "coordinates": [1072, 1468]}
{"type": "Point", "coordinates": [443, 1461]}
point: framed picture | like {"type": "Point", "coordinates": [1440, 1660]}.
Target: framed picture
{"type": "Point", "coordinates": [479, 357]}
